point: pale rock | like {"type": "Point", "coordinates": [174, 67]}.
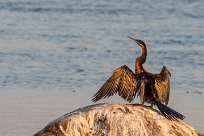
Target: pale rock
{"type": "Point", "coordinates": [116, 120]}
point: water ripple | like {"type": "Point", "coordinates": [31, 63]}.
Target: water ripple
{"type": "Point", "coordinates": [71, 44]}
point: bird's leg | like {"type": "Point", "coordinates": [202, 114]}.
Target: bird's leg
{"type": "Point", "coordinates": [151, 105]}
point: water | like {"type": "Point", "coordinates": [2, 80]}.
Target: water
{"type": "Point", "coordinates": [70, 45]}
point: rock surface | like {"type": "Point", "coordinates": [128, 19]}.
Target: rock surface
{"type": "Point", "coordinates": [116, 120]}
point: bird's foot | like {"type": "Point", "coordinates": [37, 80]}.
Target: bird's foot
{"type": "Point", "coordinates": [138, 104]}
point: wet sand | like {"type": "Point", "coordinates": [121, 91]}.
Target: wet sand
{"type": "Point", "coordinates": [26, 112]}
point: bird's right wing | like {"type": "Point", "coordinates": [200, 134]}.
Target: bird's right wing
{"type": "Point", "coordinates": [123, 81]}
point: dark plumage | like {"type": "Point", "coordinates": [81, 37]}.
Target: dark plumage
{"type": "Point", "coordinates": [152, 88]}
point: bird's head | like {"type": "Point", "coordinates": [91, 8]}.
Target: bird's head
{"type": "Point", "coordinates": [138, 42]}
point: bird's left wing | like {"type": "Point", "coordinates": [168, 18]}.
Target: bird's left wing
{"type": "Point", "coordinates": [123, 81]}
{"type": "Point", "coordinates": [162, 85]}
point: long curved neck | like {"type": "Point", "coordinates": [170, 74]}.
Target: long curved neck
{"type": "Point", "coordinates": [141, 60]}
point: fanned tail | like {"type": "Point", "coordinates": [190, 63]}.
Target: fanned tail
{"type": "Point", "coordinates": [168, 112]}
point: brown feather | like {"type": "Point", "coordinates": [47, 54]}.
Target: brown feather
{"type": "Point", "coordinates": [122, 81]}
{"type": "Point", "coordinates": [162, 85]}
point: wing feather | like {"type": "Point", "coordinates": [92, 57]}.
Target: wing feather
{"type": "Point", "coordinates": [162, 85]}
{"type": "Point", "coordinates": [123, 81]}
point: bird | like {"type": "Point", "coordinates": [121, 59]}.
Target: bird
{"type": "Point", "coordinates": [151, 88]}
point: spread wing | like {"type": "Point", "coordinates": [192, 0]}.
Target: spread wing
{"type": "Point", "coordinates": [162, 85]}
{"type": "Point", "coordinates": [123, 81]}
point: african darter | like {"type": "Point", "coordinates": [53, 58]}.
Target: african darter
{"type": "Point", "coordinates": [152, 88]}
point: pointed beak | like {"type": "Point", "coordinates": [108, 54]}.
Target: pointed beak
{"type": "Point", "coordinates": [133, 39]}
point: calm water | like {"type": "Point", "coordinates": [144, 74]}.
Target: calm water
{"type": "Point", "coordinates": [70, 45]}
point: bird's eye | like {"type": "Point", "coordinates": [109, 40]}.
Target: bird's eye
{"type": "Point", "coordinates": [141, 44]}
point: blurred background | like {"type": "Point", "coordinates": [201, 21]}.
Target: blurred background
{"type": "Point", "coordinates": [74, 45]}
